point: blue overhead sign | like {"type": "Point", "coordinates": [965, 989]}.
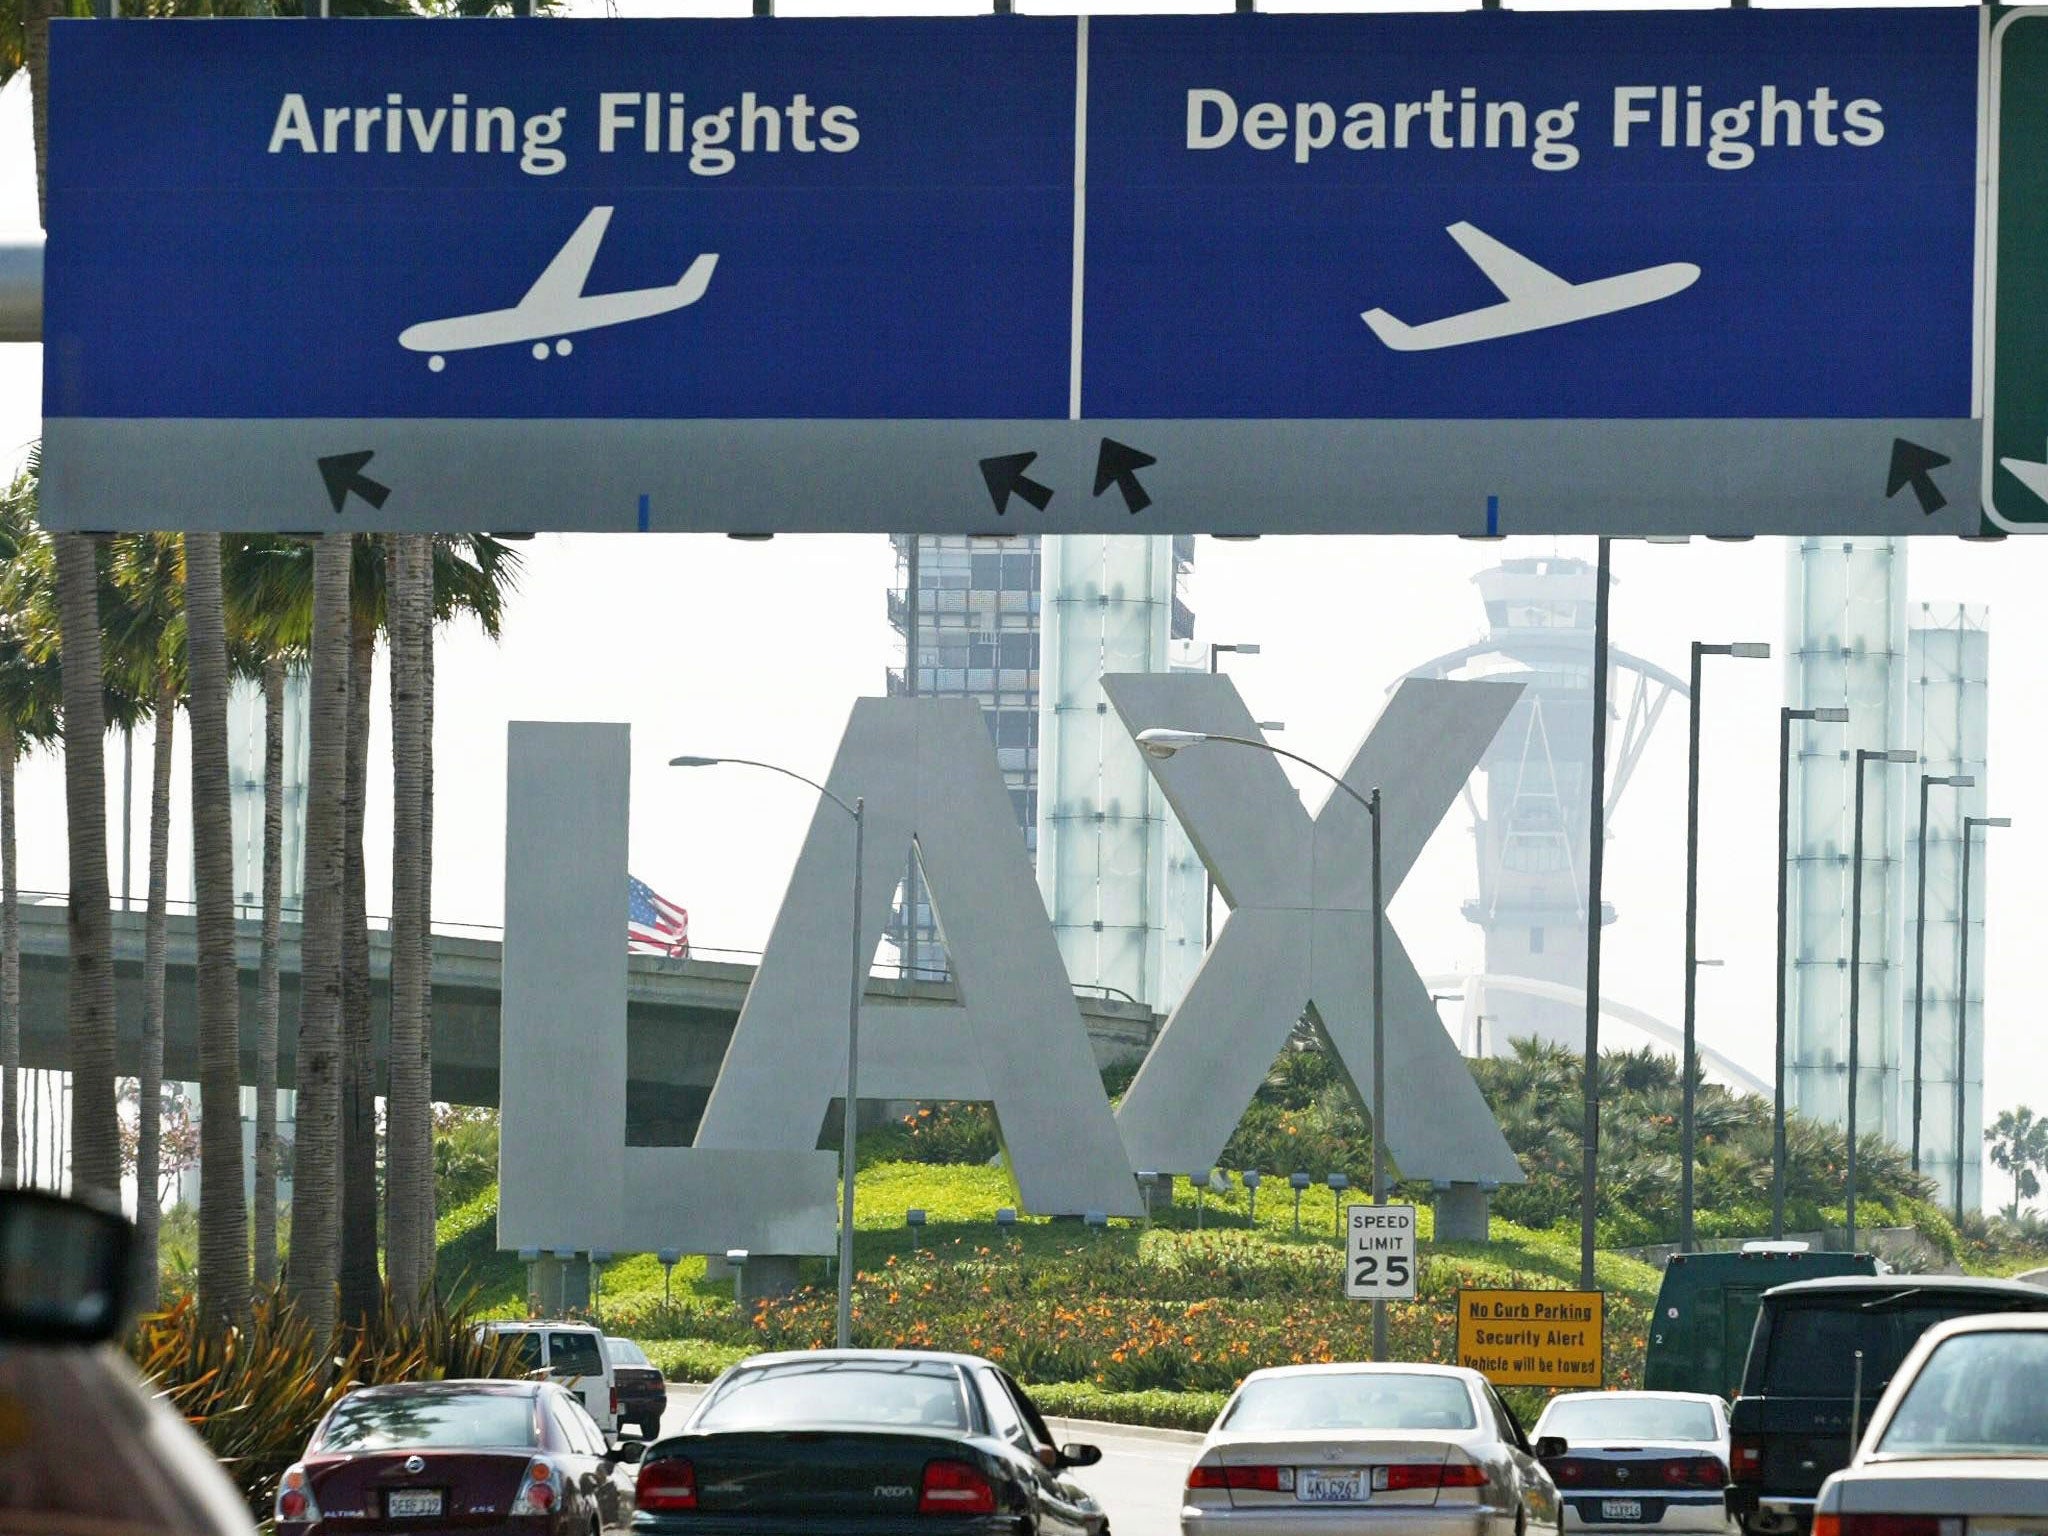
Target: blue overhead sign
{"type": "Point", "coordinates": [1283, 217]}
{"type": "Point", "coordinates": [1630, 270]}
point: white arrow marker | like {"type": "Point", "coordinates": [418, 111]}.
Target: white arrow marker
{"type": "Point", "coordinates": [2033, 476]}
{"type": "Point", "coordinates": [1533, 297]}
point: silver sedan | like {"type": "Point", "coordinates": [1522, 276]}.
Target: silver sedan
{"type": "Point", "coordinates": [1390, 1450]}
{"type": "Point", "coordinates": [1959, 1441]}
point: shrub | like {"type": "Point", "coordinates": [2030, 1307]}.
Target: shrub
{"type": "Point", "coordinates": [256, 1394]}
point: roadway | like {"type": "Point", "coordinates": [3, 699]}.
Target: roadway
{"type": "Point", "coordinates": [1138, 1481]}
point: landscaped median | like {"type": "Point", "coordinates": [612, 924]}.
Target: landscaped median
{"type": "Point", "coordinates": [1139, 1326]}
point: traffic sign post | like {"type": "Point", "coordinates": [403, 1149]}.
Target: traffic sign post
{"type": "Point", "coordinates": [1379, 1253]}
{"type": "Point", "coordinates": [1479, 273]}
{"type": "Point", "coordinates": [2015, 461]}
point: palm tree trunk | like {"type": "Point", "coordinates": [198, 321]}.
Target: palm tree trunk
{"type": "Point", "coordinates": [408, 1133]}
{"type": "Point", "coordinates": [360, 1280]}
{"type": "Point", "coordinates": [223, 1215]}
{"type": "Point", "coordinates": [266, 974]}
{"type": "Point", "coordinates": [427, 1193]}
{"type": "Point", "coordinates": [316, 1151]}
{"type": "Point", "coordinates": [95, 1127]}
{"type": "Point", "coordinates": [10, 968]}
{"type": "Point", "coordinates": [149, 1096]}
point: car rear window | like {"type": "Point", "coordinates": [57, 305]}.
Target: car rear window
{"type": "Point", "coordinates": [625, 1352]}
{"type": "Point", "coordinates": [401, 1420]}
{"type": "Point", "coordinates": [574, 1353]}
{"type": "Point", "coordinates": [915, 1393]}
{"type": "Point", "coordinates": [1632, 1418]}
{"type": "Point", "coordinates": [1813, 1348]}
{"type": "Point", "coordinates": [1978, 1394]}
{"type": "Point", "coordinates": [1352, 1400]}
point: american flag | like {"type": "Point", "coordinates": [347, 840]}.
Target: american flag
{"type": "Point", "coordinates": [654, 924]}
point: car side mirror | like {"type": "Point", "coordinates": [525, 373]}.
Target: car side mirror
{"type": "Point", "coordinates": [66, 1269]}
{"type": "Point", "coordinates": [1548, 1446]}
{"type": "Point", "coordinates": [1078, 1455]}
{"type": "Point", "coordinates": [628, 1452]}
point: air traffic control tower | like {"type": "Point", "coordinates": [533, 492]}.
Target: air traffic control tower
{"type": "Point", "coordinates": [1530, 828]}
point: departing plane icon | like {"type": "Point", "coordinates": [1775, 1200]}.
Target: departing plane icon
{"type": "Point", "coordinates": [556, 305]}
{"type": "Point", "coordinates": [1533, 298]}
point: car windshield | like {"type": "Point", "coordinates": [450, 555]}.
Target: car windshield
{"type": "Point", "coordinates": [913, 1392]}
{"type": "Point", "coordinates": [1813, 1348]}
{"type": "Point", "coordinates": [1352, 1400]}
{"type": "Point", "coordinates": [399, 1420]}
{"type": "Point", "coordinates": [1629, 1418]}
{"type": "Point", "coordinates": [625, 1352]}
{"type": "Point", "coordinates": [1978, 1394]}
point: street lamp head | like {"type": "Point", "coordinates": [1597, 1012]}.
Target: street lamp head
{"type": "Point", "coordinates": [1990, 821]}
{"type": "Point", "coordinates": [1272, 725]}
{"type": "Point", "coordinates": [1829, 716]}
{"type": "Point", "coordinates": [1885, 755]}
{"type": "Point", "coordinates": [695, 762]}
{"type": "Point", "coordinates": [1952, 780]}
{"type": "Point", "coordinates": [1901, 755]}
{"type": "Point", "coordinates": [1249, 649]}
{"type": "Point", "coordinates": [1753, 650]}
{"type": "Point", "coordinates": [1161, 742]}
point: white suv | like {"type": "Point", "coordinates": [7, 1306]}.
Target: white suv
{"type": "Point", "coordinates": [574, 1355]}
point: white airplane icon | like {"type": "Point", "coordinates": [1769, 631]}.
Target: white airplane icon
{"type": "Point", "coordinates": [2030, 474]}
{"type": "Point", "coordinates": [1532, 297]}
{"type": "Point", "coordinates": [556, 305]}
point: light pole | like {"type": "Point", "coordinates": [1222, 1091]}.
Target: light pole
{"type": "Point", "coordinates": [1751, 650]}
{"type": "Point", "coordinates": [1864, 757]}
{"type": "Point", "coordinates": [849, 1129]}
{"type": "Point", "coordinates": [1161, 742]}
{"type": "Point", "coordinates": [1216, 650]}
{"type": "Point", "coordinates": [1927, 782]}
{"type": "Point", "coordinates": [1970, 825]}
{"type": "Point", "coordinates": [1785, 718]}
{"type": "Point", "coordinates": [1596, 865]}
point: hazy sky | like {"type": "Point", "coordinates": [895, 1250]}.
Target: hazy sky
{"type": "Point", "coordinates": [711, 646]}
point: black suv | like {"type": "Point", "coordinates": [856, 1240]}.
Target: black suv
{"type": "Point", "coordinates": [1816, 1342]}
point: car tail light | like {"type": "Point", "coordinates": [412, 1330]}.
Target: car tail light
{"type": "Point", "coordinates": [670, 1484]}
{"type": "Point", "coordinates": [1695, 1472]}
{"type": "Point", "coordinates": [955, 1488]}
{"type": "Point", "coordinates": [295, 1501]}
{"type": "Point", "coordinates": [1882, 1525]}
{"type": "Point", "coordinates": [1250, 1479]}
{"type": "Point", "coordinates": [1404, 1477]}
{"type": "Point", "coordinates": [541, 1491]}
{"type": "Point", "coordinates": [1567, 1472]}
{"type": "Point", "coordinates": [1746, 1459]}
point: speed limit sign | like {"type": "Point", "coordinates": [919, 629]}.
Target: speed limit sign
{"type": "Point", "coordinates": [1379, 1253]}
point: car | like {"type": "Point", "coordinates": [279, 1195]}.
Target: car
{"type": "Point", "coordinates": [86, 1449]}
{"type": "Point", "coordinates": [481, 1456]}
{"type": "Point", "coordinates": [1707, 1306]}
{"type": "Point", "coordinates": [642, 1390]}
{"type": "Point", "coordinates": [1820, 1357]}
{"type": "Point", "coordinates": [833, 1440]}
{"type": "Point", "coordinates": [1391, 1450]}
{"type": "Point", "coordinates": [1959, 1442]}
{"type": "Point", "coordinates": [1626, 1461]}
{"type": "Point", "coordinates": [572, 1354]}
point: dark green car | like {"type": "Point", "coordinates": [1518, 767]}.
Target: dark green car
{"type": "Point", "coordinates": [1707, 1305]}
{"type": "Point", "coordinates": [862, 1443]}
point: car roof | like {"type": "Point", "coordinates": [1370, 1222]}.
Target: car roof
{"type": "Point", "coordinates": [1991, 1322]}
{"type": "Point", "coordinates": [496, 1385]}
{"type": "Point", "coordinates": [1608, 1397]}
{"type": "Point", "coordinates": [1366, 1368]}
{"type": "Point", "coordinates": [932, 1356]}
{"type": "Point", "coordinates": [1962, 1285]}
{"type": "Point", "coordinates": [533, 1324]}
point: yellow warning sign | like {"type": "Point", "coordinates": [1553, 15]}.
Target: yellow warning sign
{"type": "Point", "coordinates": [1533, 1338]}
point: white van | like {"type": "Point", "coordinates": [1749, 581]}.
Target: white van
{"type": "Point", "coordinates": [573, 1354]}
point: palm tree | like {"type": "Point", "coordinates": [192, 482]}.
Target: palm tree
{"type": "Point", "coordinates": [223, 1225]}
{"type": "Point", "coordinates": [30, 691]}
{"type": "Point", "coordinates": [316, 1186]}
{"type": "Point", "coordinates": [146, 642]}
{"type": "Point", "coordinates": [2019, 1145]}
{"type": "Point", "coordinates": [361, 1288]}
{"type": "Point", "coordinates": [409, 1119]}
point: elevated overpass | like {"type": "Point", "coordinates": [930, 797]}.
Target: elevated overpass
{"type": "Point", "coordinates": [680, 1014]}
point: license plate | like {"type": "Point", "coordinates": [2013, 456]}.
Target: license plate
{"type": "Point", "coordinates": [1621, 1509]}
{"type": "Point", "coordinates": [1312, 1485]}
{"type": "Point", "coordinates": [412, 1503]}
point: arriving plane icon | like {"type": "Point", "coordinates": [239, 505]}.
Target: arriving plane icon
{"type": "Point", "coordinates": [556, 305]}
{"type": "Point", "coordinates": [1533, 298]}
